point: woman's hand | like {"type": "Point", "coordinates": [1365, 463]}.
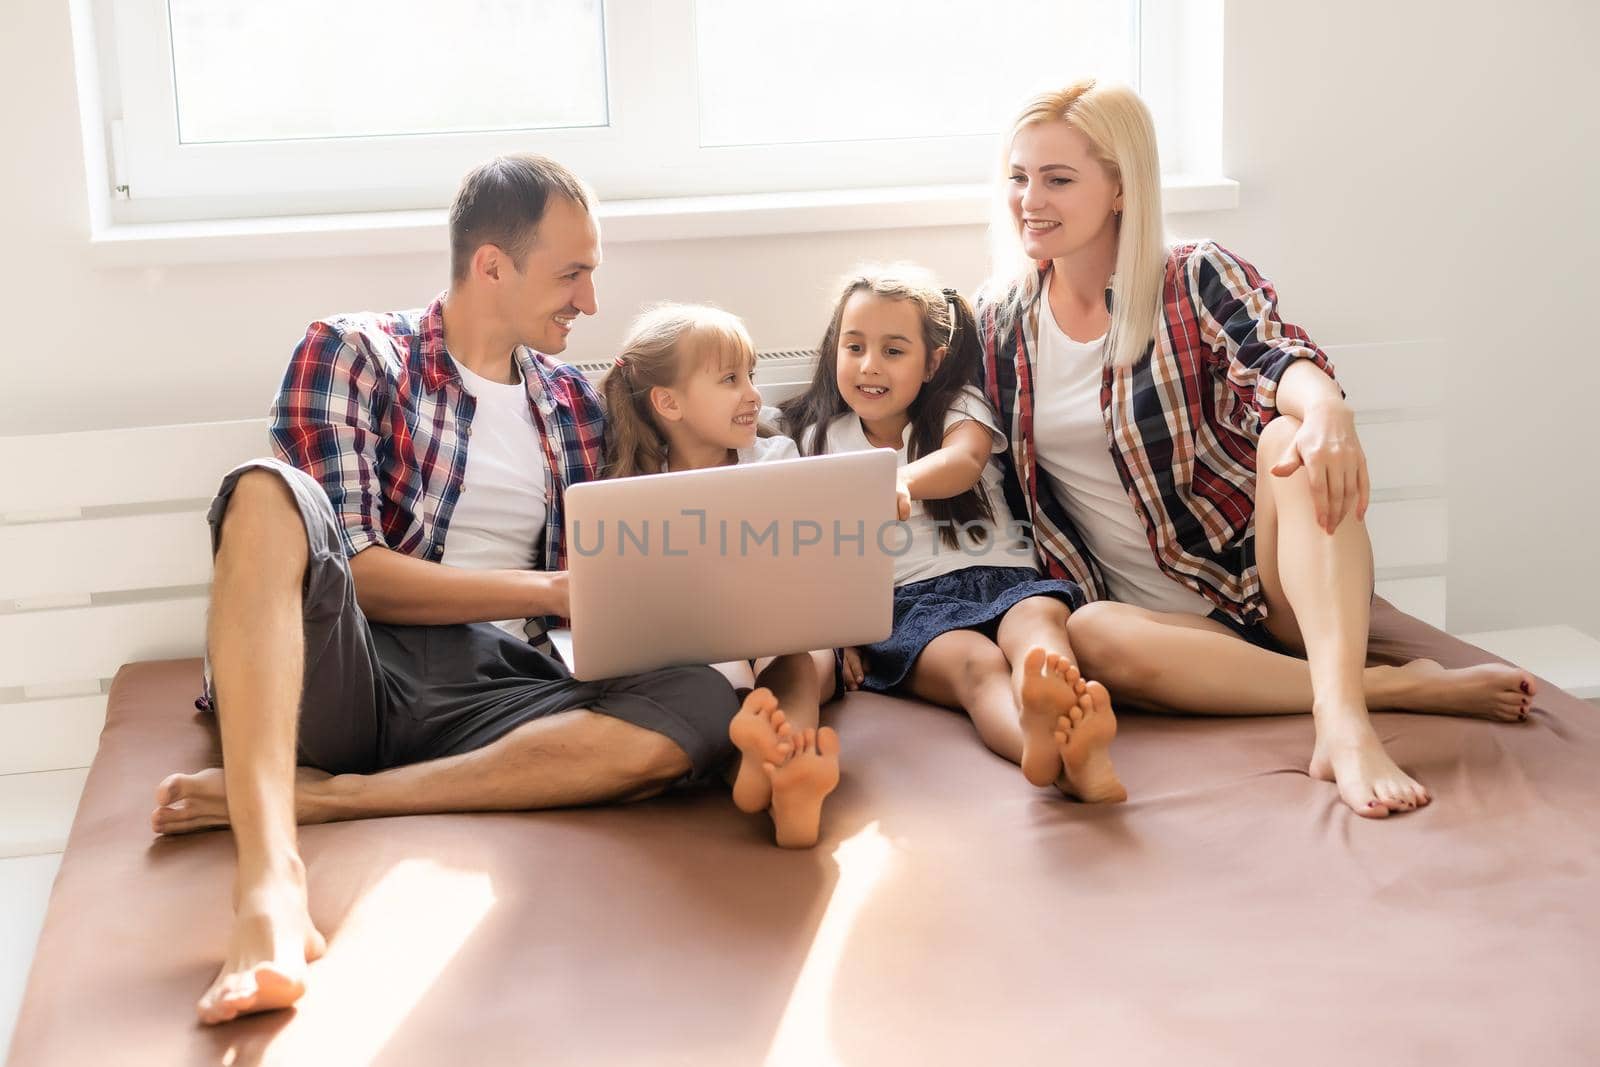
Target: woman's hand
{"type": "Point", "coordinates": [855, 671]}
{"type": "Point", "coordinates": [902, 495]}
{"type": "Point", "coordinates": [1327, 446]}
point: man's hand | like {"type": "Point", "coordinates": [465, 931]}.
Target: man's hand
{"type": "Point", "coordinates": [1327, 446]}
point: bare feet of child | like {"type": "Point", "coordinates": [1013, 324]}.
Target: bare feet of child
{"type": "Point", "coordinates": [801, 784]}
{"type": "Point", "coordinates": [1083, 737]}
{"type": "Point", "coordinates": [1049, 687]}
{"type": "Point", "coordinates": [1369, 781]}
{"type": "Point", "coordinates": [273, 940]}
{"type": "Point", "coordinates": [761, 733]}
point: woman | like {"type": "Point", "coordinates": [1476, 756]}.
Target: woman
{"type": "Point", "coordinates": [1187, 457]}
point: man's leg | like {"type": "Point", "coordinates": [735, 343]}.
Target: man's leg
{"type": "Point", "coordinates": [559, 756]}
{"type": "Point", "coordinates": [257, 653]}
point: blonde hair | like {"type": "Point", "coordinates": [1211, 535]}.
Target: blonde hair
{"type": "Point", "coordinates": [655, 354]}
{"type": "Point", "coordinates": [1122, 138]}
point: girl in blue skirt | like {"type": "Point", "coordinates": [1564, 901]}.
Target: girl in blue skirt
{"type": "Point", "coordinates": [975, 625]}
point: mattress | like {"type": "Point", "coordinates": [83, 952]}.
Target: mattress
{"type": "Point", "coordinates": [1233, 911]}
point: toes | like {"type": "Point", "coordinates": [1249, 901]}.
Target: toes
{"type": "Point", "coordinates": [1033, 662]}
{"type": "Point", "coordinates": [828, 741]}
{"type": "Point", "coordinates": [1366, 803]}
{"type": "Point", "coordinates": [780, 721]}
{"type": "Point", "coordinates": [1070, 675]}
{"type": "Point", "coordinates": [1099, 695]}
{"type": "Point", "coordinates": [1394, 797]}
{"type": "Point", "coordinates": [167, 791]}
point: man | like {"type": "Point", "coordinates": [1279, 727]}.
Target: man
{"type": "Point", "coordinates": [382, 589]}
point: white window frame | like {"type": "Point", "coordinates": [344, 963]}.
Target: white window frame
{"type": "Point", "coordinates": [160, 197]}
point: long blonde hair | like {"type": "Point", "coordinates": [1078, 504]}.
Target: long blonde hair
{"type": "Point", "coordinates": [657, 354]}
{"type": "Point", "coordinates": [1122, 137]}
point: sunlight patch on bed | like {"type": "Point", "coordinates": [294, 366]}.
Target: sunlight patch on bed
{"type": "Point", "coordinates": [396, 941]}
{"type": "Point", "coordinates": [802, 1035]}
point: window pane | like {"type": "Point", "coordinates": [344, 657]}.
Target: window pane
{"type": "Point", "coordinates": [842, 70]}
{"type": "Point", "coordinates": [247, 70]}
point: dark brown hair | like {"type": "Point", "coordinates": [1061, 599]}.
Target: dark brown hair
{"type": "Point", "coordinates": [501, 203]}
{"type": "Point", "coordinates": [947, 322]}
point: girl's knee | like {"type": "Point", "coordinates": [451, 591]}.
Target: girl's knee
{"type": "Point", "coordinates": [981, 662]}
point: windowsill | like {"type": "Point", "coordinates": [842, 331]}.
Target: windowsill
{"type": "Point", "coordinates": [689, 218]}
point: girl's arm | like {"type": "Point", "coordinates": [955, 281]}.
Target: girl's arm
{"type": "Point", "coordinates": [954, 468]}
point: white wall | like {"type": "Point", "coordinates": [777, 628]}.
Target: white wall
{"type": "Point", "coordinates": [1402, 178]}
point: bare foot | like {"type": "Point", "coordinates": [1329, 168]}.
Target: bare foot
{"type": "Point", "coordinates": [762, 735]}
{"type": "Point", "coordinates": [273, 939]}
{"type": "Point", "coordinates": [1371, 783]}
{"type": "Point", "coordinates": [1083, 737]}
{"type": "Point", "coordinates": [800, 786]}
{"type": "Point", "coordinates": [189, 802]}
{"type": "Point", "coordinates": [1487, 691]}
{"type": "Point", "coordinates": [1049, 688]}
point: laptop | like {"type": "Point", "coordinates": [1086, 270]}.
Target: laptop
{"type": "Point", "coordinates": [708, 566]}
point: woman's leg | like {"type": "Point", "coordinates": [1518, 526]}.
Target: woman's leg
{"type": "Point", "coordinates": [963, 669]}
{"type": "Point", "coordinates": [1190, 664]}
{"type": "Point", "coordinates": [1318, 588]}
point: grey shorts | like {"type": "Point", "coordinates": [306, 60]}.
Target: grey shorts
{"type": "Point", "coordinates": [377, 695]}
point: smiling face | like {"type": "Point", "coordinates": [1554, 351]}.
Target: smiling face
{"type": "Point", "coordinates": [1062, 198]}
{"type": "Point", "coordinates": [555, 282]}
{"type": "Point", "coordinates": [715, 404]}
{"type": "Point", "coordinates": [882, 361]}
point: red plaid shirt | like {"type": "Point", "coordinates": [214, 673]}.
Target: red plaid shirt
{"type": "Point", "coordinates": [374, 409]}
{"type": "Point", "coordinates": [1181, 425]}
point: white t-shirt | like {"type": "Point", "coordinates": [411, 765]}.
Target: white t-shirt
{"type": "Point", "coordinates": [764, 448]}
{"type": "Point", "coordinates": [926, 555]}
{"type": "Point", "coordinates": [769, 448]}
{"type": "Point", "coordinates": [498, 521]}
{"type": "Point", "coordinates": [1069, 437]}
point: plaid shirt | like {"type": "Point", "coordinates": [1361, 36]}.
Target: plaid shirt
{"type": "Point", "coordinates": [1181, 425]}
{"type": "Point", "coordinates": [374, 409]}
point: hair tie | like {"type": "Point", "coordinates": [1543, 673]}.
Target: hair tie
{"type": "Point", "coordinates": [622, 361]}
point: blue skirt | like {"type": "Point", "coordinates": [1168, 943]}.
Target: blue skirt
{"type": "Point", "coordinates": [971, 599]}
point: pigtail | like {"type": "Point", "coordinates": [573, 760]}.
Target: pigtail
{"type": "Point", "coordinates": [633, 443]}
{"type": "Point", "coordinates": [950, 324]}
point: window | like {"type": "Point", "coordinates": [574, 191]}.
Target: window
{"type": "Point", "coordinates": [226, 108]}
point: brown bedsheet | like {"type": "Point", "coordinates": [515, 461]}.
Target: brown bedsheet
{"type": "Point", "coordinates": [1232, 912]}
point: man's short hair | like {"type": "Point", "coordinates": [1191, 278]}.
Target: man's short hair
{"type": "Point", "coordinates": [501, 203]}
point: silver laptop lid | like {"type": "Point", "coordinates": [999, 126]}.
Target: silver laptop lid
{"type": "Point", "coordinates": [706, 566]}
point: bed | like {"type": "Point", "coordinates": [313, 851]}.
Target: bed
{"type": "Point", "coordinates": [1232, 912]}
